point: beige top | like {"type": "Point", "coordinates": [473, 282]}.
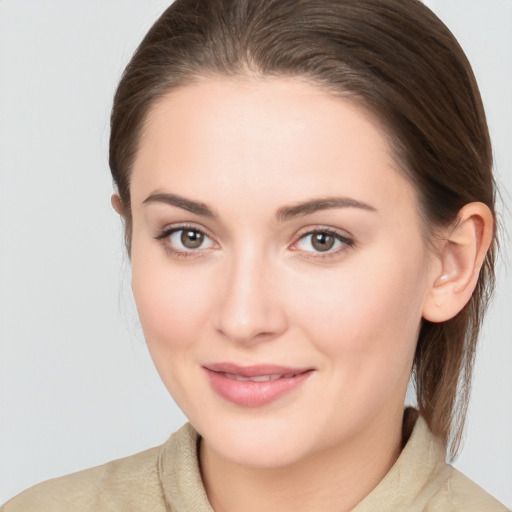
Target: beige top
{"type": "Point", "coordinates": [167, 479]}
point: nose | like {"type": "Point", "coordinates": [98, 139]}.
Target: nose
{"type": "Point", "coordinates": [249, 305]}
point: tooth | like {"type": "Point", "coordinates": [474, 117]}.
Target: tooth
{"type": "Point", "coordinates": [260, 378]}
{"type": "Point", "coordinates": [239, 377]}
{"type": "Point", "coordinates": [257, 378]}
{"type": "Point", "coordinates": [235, 377]}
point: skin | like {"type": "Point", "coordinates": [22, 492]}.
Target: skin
{"type": "Point", "coordinates": [258, 292]}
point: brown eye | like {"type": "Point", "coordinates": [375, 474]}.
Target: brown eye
{"type": "Point", "coordinates": [322, 241]}
{"type": "Point", "coordinates": [191, 238]}
{"type": "Point", "coordinates": [186, 241]}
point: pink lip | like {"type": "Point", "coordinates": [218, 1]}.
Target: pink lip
{"type": "Point", "coordinates": [248, 393]}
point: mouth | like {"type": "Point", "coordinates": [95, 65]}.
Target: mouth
{"type": "Point", "coordinates": [254, 386]}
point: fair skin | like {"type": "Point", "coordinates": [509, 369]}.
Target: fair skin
{"type": "Point", "coordinates": [335, 292]}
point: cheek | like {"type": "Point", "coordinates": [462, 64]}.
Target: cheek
{"type": "Point", "coordinates": [173, 307]}
{"type": "Point", "coordinates": [369, 307]}
{"type": "Point", "coordinates": [172, 304]}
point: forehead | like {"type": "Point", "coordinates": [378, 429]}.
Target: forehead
{"type": "Point", "coordinates": [276, 136]}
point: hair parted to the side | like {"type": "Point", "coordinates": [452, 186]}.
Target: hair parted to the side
{"type": "Point", "coordinates": [394, 57]}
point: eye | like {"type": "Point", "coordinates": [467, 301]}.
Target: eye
{"type": "Point", "coordinates": [185, 239]}
{"type": "Point", "coordinates": [323, 241]}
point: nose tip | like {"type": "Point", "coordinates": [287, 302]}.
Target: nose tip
{"type": "Point", "coordinates": [246, 332]}
{"type": "Point", "coordinates": [249, 308]}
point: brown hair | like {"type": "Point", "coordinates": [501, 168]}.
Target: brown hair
{"type": "Point", "coordinates": [397, 59]}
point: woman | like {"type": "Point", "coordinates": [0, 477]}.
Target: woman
{"type": "Point", "coordinates": [309, 212]}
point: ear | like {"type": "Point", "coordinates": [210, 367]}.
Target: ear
{"type": "Point", "coordinates": [461, 254]}
{"type": "Point", "coordinates": [117, 204]}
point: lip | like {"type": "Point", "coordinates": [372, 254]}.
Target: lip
{"type": "Point", "coordinates": [255, 385]}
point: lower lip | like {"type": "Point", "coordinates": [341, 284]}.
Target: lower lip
{"type": "Point", "coordinates": [254, 394]}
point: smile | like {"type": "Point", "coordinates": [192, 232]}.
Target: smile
{"type": "Point", "coordinates": [254, 386]}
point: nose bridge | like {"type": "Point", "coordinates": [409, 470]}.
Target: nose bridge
{"type": "Point", "coordinates": [249, 308]}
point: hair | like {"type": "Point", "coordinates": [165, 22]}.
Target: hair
{"type": "Point", "coordinates": [394, 58]}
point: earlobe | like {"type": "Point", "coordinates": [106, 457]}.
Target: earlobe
{"type": "Point", "coordinates": [461, 255]}
{"type": "Point", "coordinates": [117, 203]}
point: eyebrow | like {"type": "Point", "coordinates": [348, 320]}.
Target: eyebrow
{"type": "Point", "coordinates": [283, 214]}
{"type": "Point", "coordinates": [181, 202]}
{"type": "Point", "coordinates": [327, 203]}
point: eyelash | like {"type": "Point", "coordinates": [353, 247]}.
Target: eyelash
{"type": "Point", "coordinates": [346, 241]}
{"type": "Point", "coordinates": [191, 253]}
{"type": "Point", "coordinates": [166, 233]}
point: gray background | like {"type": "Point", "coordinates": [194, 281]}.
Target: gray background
{"type": "Point", "coordinates": [77, 387]}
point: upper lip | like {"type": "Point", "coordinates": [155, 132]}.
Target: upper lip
{"type": "Point", "coordinates": [256, 370]}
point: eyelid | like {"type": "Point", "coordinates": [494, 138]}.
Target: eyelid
{"type": "Point", "coordinates": [168, 230]}
{"type": "Point", "coordinates": [344, 237]}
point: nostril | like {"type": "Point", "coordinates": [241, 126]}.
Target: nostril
{"type": "Point", "coordinates": [246, 326]}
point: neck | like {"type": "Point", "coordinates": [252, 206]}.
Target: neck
{"type": "Point", "coordinates": [341, 475]}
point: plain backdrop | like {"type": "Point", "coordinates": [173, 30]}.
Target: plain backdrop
{"type": "Point", "coordinates": [77, 385]}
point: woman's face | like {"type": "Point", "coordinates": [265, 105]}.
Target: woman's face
{"type": "Point", "coordinates": [279, 267]}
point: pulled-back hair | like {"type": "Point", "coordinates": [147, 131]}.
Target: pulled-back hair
{"type": "Point", "coordinates": [393, 57]}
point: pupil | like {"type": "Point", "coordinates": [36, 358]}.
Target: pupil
{"type": "Point", "coordinates": [323, 241]}
{"type": "Point", "coordinates": [191, 239]}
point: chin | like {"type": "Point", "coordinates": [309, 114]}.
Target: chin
{"type": "Point", "coordinates": [258, 453]}
{"type": "Point", "coordinates": [257, 444]}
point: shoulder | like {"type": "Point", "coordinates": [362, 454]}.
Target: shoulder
{"type": "Point", "coordinates": [162, 479]}
{"type": "Point", "coordinates": [126, 484]}
{"type": "Point", "coordinates": [421, 480]}
{"type": "Point", "coordinates": [442, 487]}
{"type": "Point", "coordinates": [460, 494]}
